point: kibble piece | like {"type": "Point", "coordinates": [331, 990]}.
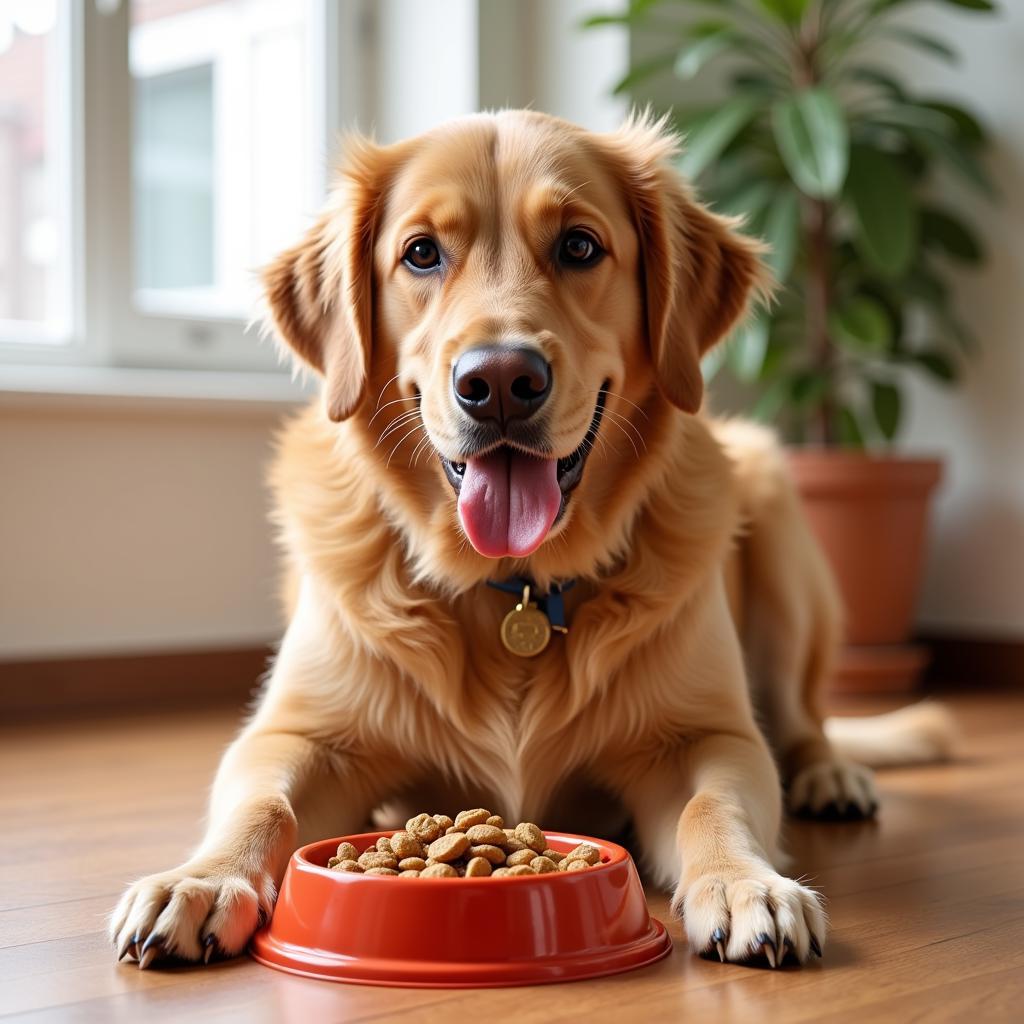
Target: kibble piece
{"type": "Point", "coordinates": [584, 852]}
{"type": "Point", "coordinates": [349, 865]}
{"type": "Point", "coordinates": [553, 855]}
{"type": "Point", "coordinates": [543, 866]}
{"type": "Point", "coordinates": [333, 861]}
{"type": "Point", "coordinates": [520, 857]}
{"type": "Point", "coordinates": [384, 845]}
{"type": "Point", "coordinates": [412, 864]}
{"type": "Point", "coordinates": [444, 821]}
{"type": "Point", "coordinates": [380, 871]}
{"type": "Point", "coordinates": [449, 847]}
{"type": "Point", "coordinates": [529, 835]}
{"type": "Point", "coordinates": [500, 872]}
{"type": "Point", "coordinates": [424, 828]}
{"type": "Point", "coordinates": [521, 869]}
{"type": "Point", "coordinates": [511, 844]}
{"type": "Point", "coordinates": [478, 867]}
{"type": "Point", "coordinates": [346, 851]}
{"type": "Point", "coordinates": [409, 873]}
{"type": "Point", "coordinates": [573, 865]}
{"type": "Point", "coordinates": [467, 819]}
{"type": "Point", "coordinates": [439, 871]}
{"type": "Point", "coordinates": [405, 844]}
{"type": "Point", "coordinates": [375, 859]}
{"type": "Point", "coordinates": [492, 854]}
{"type": "Point", "coordinates": [496, 820]}
{"type": "Point", "coordinates": [485, 835]}
{"type": "Point", "coordinates": [452, 830]}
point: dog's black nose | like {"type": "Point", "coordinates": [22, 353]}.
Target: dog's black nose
{"type": "Point", "coordinates": [501, 382]}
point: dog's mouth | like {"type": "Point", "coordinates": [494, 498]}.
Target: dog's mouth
{"type": "Point", "coordinates": [509, 497]}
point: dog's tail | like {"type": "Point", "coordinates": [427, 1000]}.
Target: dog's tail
{"type": "Point", "coordinates": [918, 734]}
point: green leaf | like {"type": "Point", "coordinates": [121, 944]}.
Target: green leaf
{"type": "Point", "coordinates": [780, 228]}
{"type": "Point", "coordinates": [886, 219]}
{"type": "Point", "coordinates": [921, 283]}
{"type": "Point", "coordinates": [930, 44]}
{"type": "Point", "coordinates": [886, 404]}
{"type": "Point", "coordinates": [747, 348]}
{"type": "Point", "coordinates": [949, 234]}
{"type": "Point", "coordinates": [811, 134]}
{"type": "Point", "coordinates": [878, 78]}
{"type": "Point", "coordinates": [645, 69]}
{"type": "Point", "coordinates": [937, 364]}
{"type": "Point", "coordinates": [771, 400]}
{"type": "Point", "coordinates": [692, 57]}
{"type": "Point", "coordinates": [959, 158]}
{"type": "Point", "coordinates": [969, 128]}
{"type": "Point", "coordinates": [749, 201]}
{"type": "Point", "coordinates": [974, 5]}
{"type": "Point", "coordinates": [862, 323]}
{"type": "Point", "coordinates": [707, 138]}
{"type": "Point", "coordinates": [789, 11]}
{"type": "Point", "coordinates": [807, 387]}
{"type": "Point", "coordinates": [848, 428]}
{"type": "Point", "coordinates": [913, 116]}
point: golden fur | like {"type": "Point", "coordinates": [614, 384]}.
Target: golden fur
{"type": "Point", "coordinates": [391, 689]}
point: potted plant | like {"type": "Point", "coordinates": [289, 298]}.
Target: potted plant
{"type": "Point", "coordinates": [832, 158]}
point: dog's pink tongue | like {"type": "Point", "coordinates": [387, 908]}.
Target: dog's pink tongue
{"type": "Point", "coordinates": [508, 502]}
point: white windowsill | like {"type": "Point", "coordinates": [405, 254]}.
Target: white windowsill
{"type": "Point", "coordinates": [244, 391]}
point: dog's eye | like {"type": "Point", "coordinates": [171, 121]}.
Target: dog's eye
{"type": "Point", "coordinates": [579, 249]}
{"type": "Point", "coordinates": [422, 254]}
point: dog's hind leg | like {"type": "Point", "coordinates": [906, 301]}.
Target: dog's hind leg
{"type": "Point", "coordinates": [790, 621]}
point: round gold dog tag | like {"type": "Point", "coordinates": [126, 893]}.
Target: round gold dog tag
{"type": "Point", "coordinates": [525, 630]}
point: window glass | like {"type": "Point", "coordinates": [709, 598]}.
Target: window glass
{"type": "Point", "coordinates": [33, 182]}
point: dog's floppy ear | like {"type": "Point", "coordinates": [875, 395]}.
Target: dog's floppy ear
{"type": "Point", "coordinates": [699, 272]}
{"type": "Point", "coordinates": [320, 292]}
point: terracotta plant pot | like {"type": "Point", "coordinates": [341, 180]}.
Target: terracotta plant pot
{"type": "Point", "coordinates": [870, 514]}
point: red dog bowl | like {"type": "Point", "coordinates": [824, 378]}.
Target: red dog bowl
{"type": "Point", "coordinates": [460, 932]}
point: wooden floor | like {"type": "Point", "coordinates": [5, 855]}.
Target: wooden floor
{"type": "Point", "coordinates": [927, 905]}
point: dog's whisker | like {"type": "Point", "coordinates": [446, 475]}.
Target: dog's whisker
{"type": "Point", "coordinates": [394, 401]}
{"type": "Point", "coordinates": [419, 449]}
{"type": "Point", "coordinates": [615, 423]}
{"type": "Point", "coordinates": [397, 424]}
{"type": "Point", "coordinates": [619, 419]}
{"type": "Point", "coordinates": [383, 389]}
{"type": "Point", "coordinates": [623, 398]}
{"type": "Point", "coordinates": [419, 426]}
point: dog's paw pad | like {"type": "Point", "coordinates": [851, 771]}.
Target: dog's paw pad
{"type": "Point", "coordinates": [833, 791]}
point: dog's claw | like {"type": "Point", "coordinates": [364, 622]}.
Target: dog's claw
{"type": "Point", "coordinates": [718, 938]}
{"type": "Point", "coordinates": [815, 946]}
{"type": "Point", "coordinates": [149, 954]}
{"type": "Point", "coordinates": [126, 947]}
{"type": "Point", "coordinates": [210, 942]}
{"type": "Point", "coordinates": [768, 948]}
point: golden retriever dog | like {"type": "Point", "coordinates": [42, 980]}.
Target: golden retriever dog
{"type": "Point", "coordinates": [508, 314]}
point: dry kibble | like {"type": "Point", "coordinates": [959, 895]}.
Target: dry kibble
{"type": "Point", "coordinates": [439, 871]}
{"type": "Point", "coordinates": [476, 844]}
{"type": "Point", "coordinates": [520, 857]}
{"type": "Point", "coordinates": [492, 854]}
{"type": "Point", "coordinates": [529, 835]}
{"type": "Point", "coordinates": [485, 835]}
{"type": "Point", "coordinates": [449, 847]}
{"type": "Point", "coordinates": [424, 828]}
{"type": "Point", "coordinates": [478, 867]}
{"type": "Point", "coordinates": [467, 819]}
{"type": "Point", "coordinates": [405, 844]}
{"type": "Point", "coordinates": [584, 852]}
{"type": "Point", "coordinates": [375, 859]}
{"type": "Point", "coordinates": [346, 851]}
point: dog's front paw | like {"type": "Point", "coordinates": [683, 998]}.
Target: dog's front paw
{"type": "Point", "coordinates": [833, 791]}
{"type": "Point", "coordinates": [749, 915]}
{"type": "Point", "coordinates": [195, 912]}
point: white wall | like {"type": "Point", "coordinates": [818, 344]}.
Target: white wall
{"type": "Point", "coordinates": [975, 575]}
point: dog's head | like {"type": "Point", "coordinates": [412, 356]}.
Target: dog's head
{"type": "Point", "coordinates": [506, 300]}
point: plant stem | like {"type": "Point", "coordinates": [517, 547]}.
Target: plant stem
{"type": "Point", "coordinates": [817, 213]}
